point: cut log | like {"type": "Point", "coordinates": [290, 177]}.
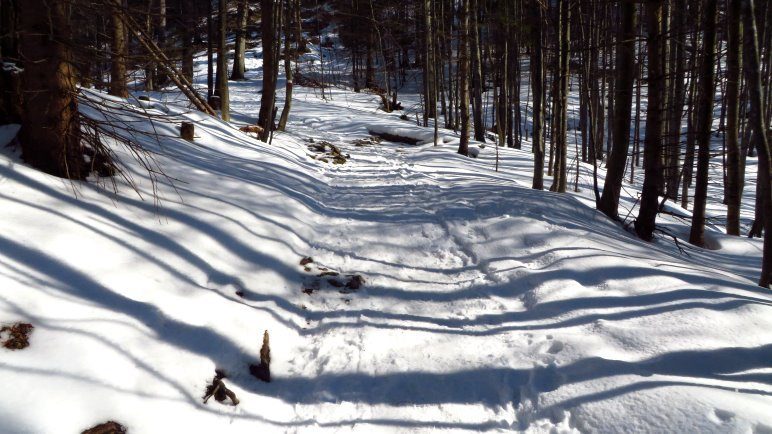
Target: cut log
{"type": "Point", "coordinates": [187, 130]}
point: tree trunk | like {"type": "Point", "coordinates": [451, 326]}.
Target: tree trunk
{"type": "Point", "coordinates": [50, 133]}
{"type": "Point", "coordinates": [734, 175]}
{"type": "Point", "coordinates": [186, 33]}
{"type": "Point", "coordinates": [118, 54]}
{"type": "Point", "coordinates": [241, 41]}
{"type": "Point", "coordinates": [161, 79]}
{"type": "Point", "coordinates": [287, 70]}
{"type": "Point", "coordinates": [537, 86]}
{"type": "Point", "coordinates": [463, 72]}
{"type": "Point", "coordinates": [704, 123]}
{"type": "Point", "coordinates": [560, 115]}
{"type": "Point", "coordinates": [647, 214]}
{"type": "Point", "coordinates": [677, 99]}
{"type": "Point", "coordinates": [210, 52]}
{"type": "Point", "coordinates": [222, 62]}
{"type": "Point", "coordinates": [268, 98]}
{"type": "Point", "coordinates": [758, 123]}
{"type": "Point", "coordinates": [625, 67]}
{"type": "Point", "coordinates": [477, 84]}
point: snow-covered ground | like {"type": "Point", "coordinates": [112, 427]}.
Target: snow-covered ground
{"type": "Point", "coordinates": [486, 306]}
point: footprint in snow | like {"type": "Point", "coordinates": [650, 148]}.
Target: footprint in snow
{"type": "Point", "coordinates": [722, 416]}
{"type": "Point", "coordinates": [555, 347]}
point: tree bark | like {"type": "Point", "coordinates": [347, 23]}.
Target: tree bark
{"type": "Point", "coordinates": [287, 70]}
{"type": "Point", "coordinates": [463, 72]}
{"type": "Point", "coordinates": [734, 175]}
{"type": "Point", "coordinates": [118, 54]}
{"type": "Point", "coordinates": [704, 123]}
{"type": "Point", "coordinates": [222, 62]}
{"type": "Point", "coordinates": [625, 67]}
{"type": "Point", "coordinates": [537, 88]}
{"type": "Point", "coordinates": [761, 140]}
{"type": "Point", "coordinates": [560, 116]}
{"type": "Point", "coordinates": [647, 213]}
{"type": "Point", "coordinates": [50, 134]}
{"type": "Point", "coordinates": [477, 85]}
{"type": "Point", "coordinates": [268, 98]}
{"type": "Point", "coordinates": [241, 41]}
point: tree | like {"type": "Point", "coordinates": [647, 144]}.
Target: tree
{"type": "Point", "coordinates": [704, 123]}
{"type": "Point", "coordinates": [50, 134]}
{"type": "Point", "coordinates": [241, 41]}
{"type": "Point", "coordinates": [477, 84]}
{"type": "Point", "coordinates": [463, 72]}
{"type": "Point", "coordinates": [560, 98]}
{"type": "Point", "coordinates": [118, 54]}
{"type": "Point", "coordinates": [625, 67]}
{"type": "Point", "coordinates": [537, 87]}
{"type": "Point", "coordinates": [761, 141]}
{"type": "Point", "coordinates": [222, 62]}
{"type": "Point", "coordinates": [647, 213]}
{"type": "Point", "coordinates": [289, 6]}
{"type": "Point", "coordinates": [270, 66]}
{"type": "Point", "coordinates": [734, 172]}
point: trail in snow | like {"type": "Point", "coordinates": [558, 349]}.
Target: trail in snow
{"type": "Point", "coordinates": [487, 306]}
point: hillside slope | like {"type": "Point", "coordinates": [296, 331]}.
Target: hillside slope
{"type": "Point", "coordinates": [485, 305]}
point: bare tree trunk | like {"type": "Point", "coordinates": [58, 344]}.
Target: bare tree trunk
{"type": "Point", "coordinates": [241, 41]}
{"type": "Point", "coordinates": [647, 213]}
{"type": "Point", "coordinates": [537, 86]}
{"type": "Point", "coordinates": [677, 99]}
{"type": "Point", "coordinates": [560, 116]}
{"type": "Point", "coordinates": [118, 54]}
{"type": "Point", "coordinates": [186, 33]}
{"type": "Point", "coordinates": [267, 101]}
{"type": "Point", "coordinates": [734, 176]}
{"type": "Point", "coordinates": [625, 67]}
{"type": "Point", "coordinates": [150, 79]}
{"type": "Point", "coordinates": [222, 62]}
{"type": "Point", "coordinates": [463, 72]}
{"type": "Point", "coordinates": [477, 85]}
{"type": "Point", "coordinates": [50, 133]}
{"type": "Point", "coordinates": [704, 123]}
{"type": "Point", "coordinates": [287, 70]}
{"type": "Point", "coordinates": [210, 52]}
{"type": "Point", "coordinates": [758, 123]}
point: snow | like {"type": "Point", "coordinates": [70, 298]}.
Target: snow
{"type": "Point", "coordinates": [487, 306]}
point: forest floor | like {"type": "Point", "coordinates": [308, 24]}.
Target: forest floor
{"type": "Point", "coordinates": [484, 305]}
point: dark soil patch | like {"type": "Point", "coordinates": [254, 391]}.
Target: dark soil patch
{"type": "Point", "coordinates": [109, 427]}
{"type": "Point", "coordinates": [17, 335]}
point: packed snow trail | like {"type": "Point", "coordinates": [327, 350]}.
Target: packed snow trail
{"type": "Point", "coordinates": [487, 306]}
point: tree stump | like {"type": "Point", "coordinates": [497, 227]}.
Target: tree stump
{"type": "Point", "coordinates": [187, 130]}
{"type": "Point", "coordinates": [263, 370]}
